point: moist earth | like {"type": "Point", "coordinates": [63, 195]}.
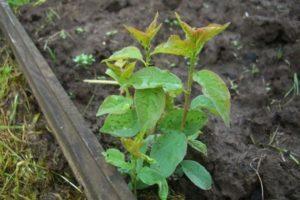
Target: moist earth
{"type": "Point", "coordinates": [257, 57]}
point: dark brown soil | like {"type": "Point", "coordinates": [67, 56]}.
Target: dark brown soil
{"type": "Point", "coordinates": [259, 53]}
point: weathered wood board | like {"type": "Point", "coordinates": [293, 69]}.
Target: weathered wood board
{"type": "Point", "coordinates": [78, 143]}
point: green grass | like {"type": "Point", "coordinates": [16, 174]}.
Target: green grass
{"type": "Point", "coordinates": [24, 173]}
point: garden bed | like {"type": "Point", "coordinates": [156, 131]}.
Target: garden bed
{"type": "Point", "coordinates": [257, 56]}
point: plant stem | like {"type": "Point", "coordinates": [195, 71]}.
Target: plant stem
{"type": "Point", "coordinates": [133, 175]}
{"type": "Point", "coordinates": [148, 56]}
{"type": "Point", "coordinates": [187, 94]}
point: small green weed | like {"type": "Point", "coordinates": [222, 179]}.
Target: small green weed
{"type": "Point", "coordinates": [84, 60]}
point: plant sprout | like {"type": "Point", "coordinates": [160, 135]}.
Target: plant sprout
{"type": "Point", "coordinates": [154, 130]}
{"type": "Point", "coordinates": [84, 60]}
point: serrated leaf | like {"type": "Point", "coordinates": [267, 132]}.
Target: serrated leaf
{"type": "Point", "coordinates": [198, 145]}
{"type": "Point", "coordinates": [130, 52]}
{"type": "Point", "coordinates": [199, 36]}
{"type": "Point", "coordinates": [122, 125]}
{"type": "Point", "coordinates": [150, 104]}
{"type": "Point", "coordinates": [116, 69]}
{"type": "Point", "coordinates": [128, 70]}
{"type": "Point", "coordinates": [168, 151]}
{"type": "Point", "coordinates": [196, 119]}
{"type": "Point", "coordinates": [114, 104]}
{"type": "Point", "coordinates": [140, 36]}
{"type": "Point", "coordinates": [153, 77]}
{"type": "Point", "coordinates": [150, 176]}
{"type": "Point", "coordinates": [214, 88]}
{"type": "Point", "coordinates": [145, 38]}
{"type": "Point", "coordinates": [176, 46]}
{"type": "Point", "coordinates": [188, 30]}
{"type": "Point", "coordinates": [113, 75]}
{"type": "Point", "coordinates": [163, 190]}
{"type": "Point", "coordinates": [116, 158]}
{"type": "Point", "coordinates": [203, 102]}
{"type": "Point", "coordinates": [197, 174]}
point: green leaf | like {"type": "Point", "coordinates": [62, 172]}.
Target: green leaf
{"type": "Point", "coordinates": [202, 102]}
{"type": "Point", "coordinates": [196, 119]}
{"type": "Point", "coordinates": [150, 176]}
{"type": "Point", "coordinates": [140, 36]}
{"type": "Point", "coordinates": [175, 46]}
{"type": "Point", "coordinates": [168, 151]}
{"type": "Point", "coordinates": [163, 190]}
{"type": "Point", "coordinates": [214, 88]}
{"type": "Point", "coordinates": [199, 36]}
{"type": "Point", "coordinates": [116, 158]}
{"type": "Point", "coordinates": [130, 52]}
{"type": "Point", "coordinates": [145, 38]}
{"type": "Point", "coordinates": [153, 77]}
{"type": "Point", "coordinates": [150, 104]}
{"type": "Point", "coordinates": [113, 75]}
{"type": "Point", "coordinates": [114, 104]}
{"type": "Point", "coordinates": [122, 125]}
{"type": "Point", "coordinates": [198, 145]}
{"type": "Point", "coordinates": [197, 174]}
{"type": "Point", "coordinates": [128, 70]}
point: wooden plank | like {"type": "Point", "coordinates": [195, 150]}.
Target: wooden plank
{"type": "Point", "coordinates": [78, 143]}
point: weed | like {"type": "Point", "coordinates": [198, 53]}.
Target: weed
{"type": "Point", "coordinates": [79, 30]}
{"type": "Point", "coordinates": [63, 34]}
{"type": "Point", "coordinates": [51, 15]}
{"type": "Point", "coordinates": [171, 22]}
{"type": "Point", "coordinates": [254, 69]}
{"type": "Point", "coordinates": [234, 86]}
{"type": "Point", "coordinates": [84, 60]}
{"type": "Point", "coordinates": [52, 54]}
{"type": "Point", "coordinates": [294, 90]}
{"type": "Point", "coordinates": [154, 131]}
{"type": "Point", "coordinates": [110, 33]}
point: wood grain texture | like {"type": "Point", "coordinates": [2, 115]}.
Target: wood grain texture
{"type": "Point", "coordinates": [78, 143]}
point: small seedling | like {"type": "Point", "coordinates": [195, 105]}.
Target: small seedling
{"type": "Point", "coordinates": [52, 54]}
{"type": "Point", "coordinates": [237, 44]}
{"type": "Point", "coordinates": [79, 30]}
{"type": "Point", "coordinates": [294, 90]}
{"type": "Point", "coordinates": [110, 33]}
{"type": "Point", "coordinates": [154, 131]}
{"type": "Point", "coordinates": [84, 60]}
{"type": "Point", "coordinates": [171, 22]}
{"type": "Point", "coordinates": [63, 34]}
{"type": "Point", "coordinates": [234, 86]}
{"type": "Point", "coordinates": [268, 87]}
{"type": "Point", "coordinates": [51, 15]}
{"type": "Point", "coordinates": [254, 69]}
{"type": "Point", "coordinates": [279, 54]}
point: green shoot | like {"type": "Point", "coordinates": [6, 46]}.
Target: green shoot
{"type": "Point", "coordinates": [84, 60]}
{"type": "Point", "coordinates": [79, 30]}
{"type": "Point", "coordinates": [294, 90]}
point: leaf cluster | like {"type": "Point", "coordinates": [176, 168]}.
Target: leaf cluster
{"type": "Point", "coordinates": [84, 60]}
{"type": "Point", "coordinates": [154, 130]}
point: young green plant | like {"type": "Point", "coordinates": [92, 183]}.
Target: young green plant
{"type": "Point", "coordinates": [84, 60]}
{"type": "Point", "coordinates": [154, 131]}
